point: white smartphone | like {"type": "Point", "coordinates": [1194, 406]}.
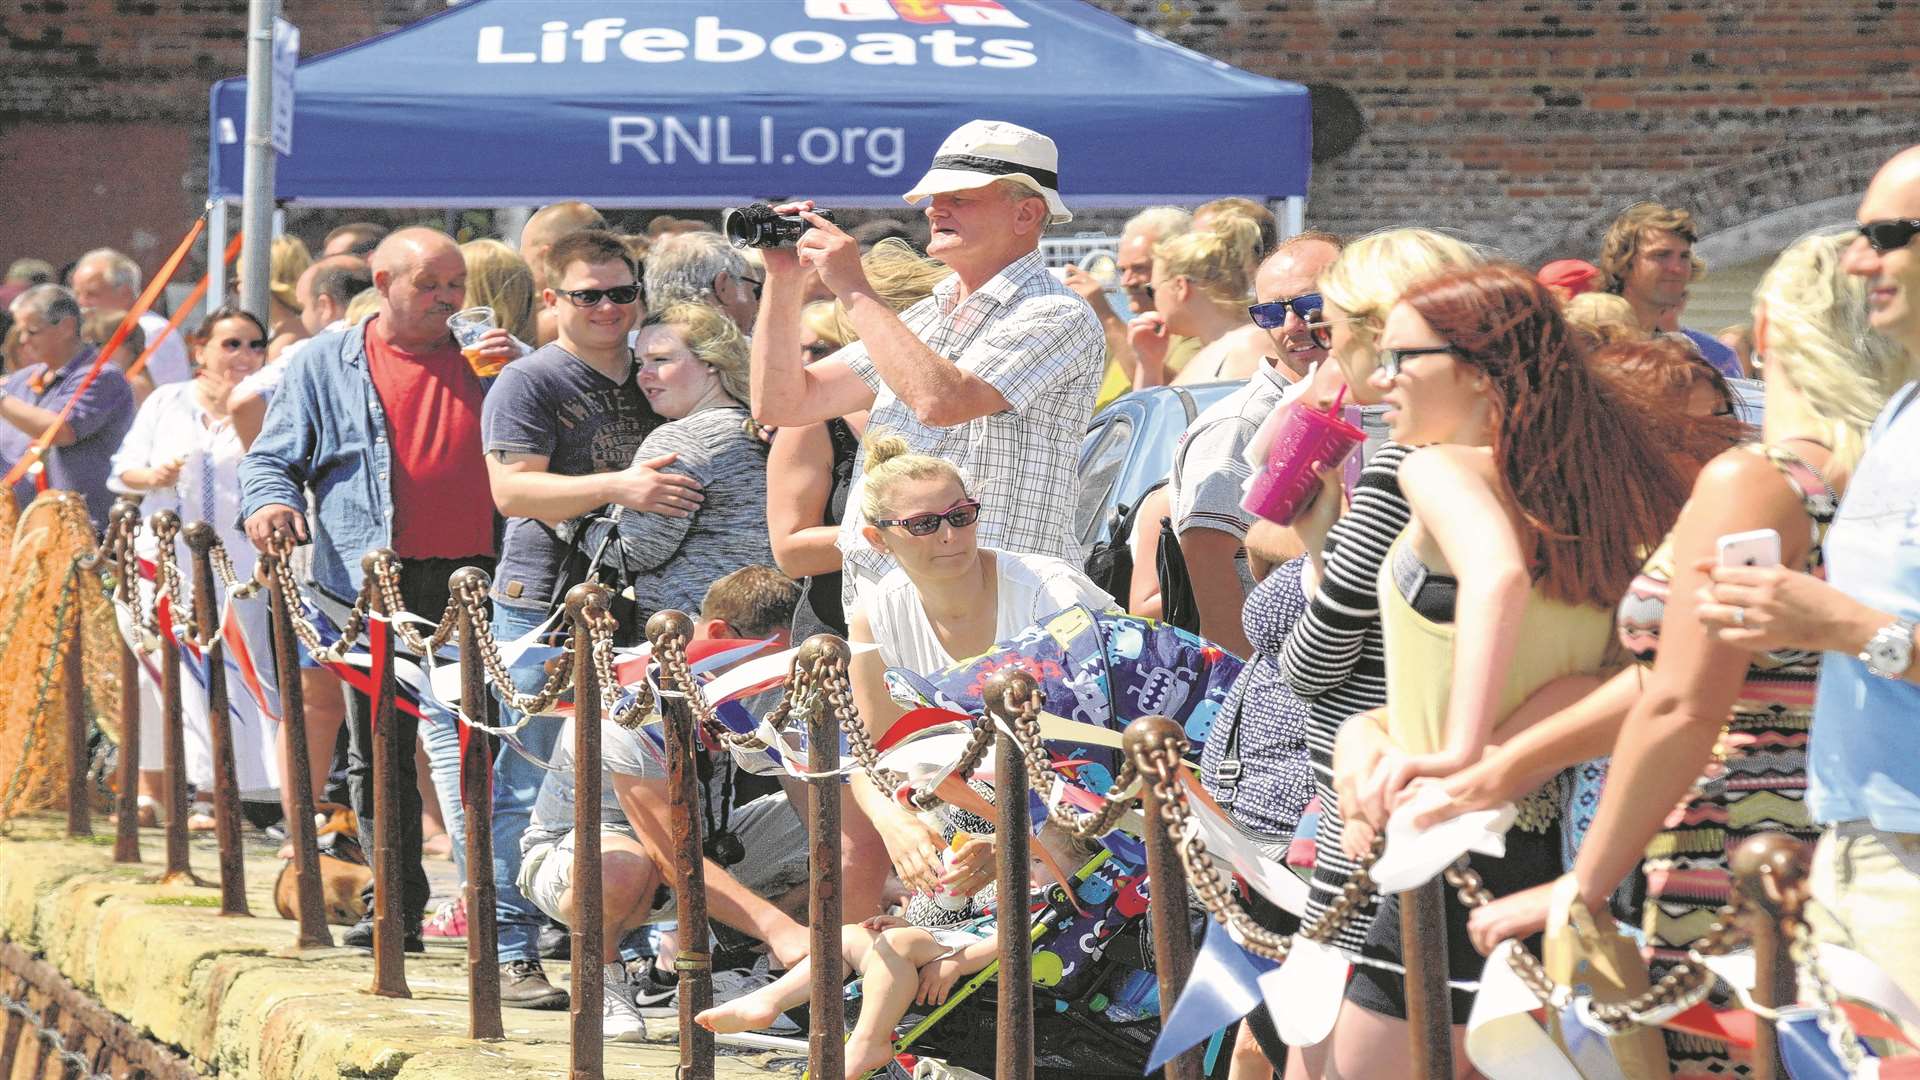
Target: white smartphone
{"type": "Point", "coordinates": [1761, 547]}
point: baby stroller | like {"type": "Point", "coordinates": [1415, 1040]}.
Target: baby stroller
{"type": "Point", "coordinates": [1096, 997]}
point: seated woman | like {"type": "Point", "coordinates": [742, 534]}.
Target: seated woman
{"type": "Point", "coordinates": [949, 599]}
{"type": "Point", "coordinates": [1201, 283]}
{"type": "Point", "coordinates": [692, 364]}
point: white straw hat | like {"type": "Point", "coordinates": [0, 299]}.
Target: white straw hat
{"type": "Point", "coordinates": [980, 152]}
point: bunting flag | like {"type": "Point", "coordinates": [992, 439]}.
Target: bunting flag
{"type": "Point", "coordinates": [240, 657]}
{"type": "Point", "coordinates": [1414, 857]}
{"type": "Point", "coordinates": [1223, 986]}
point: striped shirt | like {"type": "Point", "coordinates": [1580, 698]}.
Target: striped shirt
{"type": "Point", "coordinates": [1336, 661]}
{"type": "Point", "coordinates": [1041, 347]}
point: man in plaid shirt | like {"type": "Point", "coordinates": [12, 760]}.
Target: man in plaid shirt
{"type": "Point", "coordinates": [996, 372]}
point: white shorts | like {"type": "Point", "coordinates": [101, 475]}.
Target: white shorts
{"type": "Point", "coordinates": [773, 836]}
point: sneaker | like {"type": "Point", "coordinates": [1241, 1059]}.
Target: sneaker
{"type": "Point", "coordinates": [620, 1019]}
{"type": "Point", "coordinates": [654, 992]}
{"type": "Point", "coordinates": [524, 985]}
{"type": "Point", "coordinates": [739, 982]}
{"type": "Point", "coordinates": [448, 922]}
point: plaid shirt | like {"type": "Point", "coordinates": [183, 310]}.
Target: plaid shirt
{"type": "Point", "coordinates": [1038, 344]}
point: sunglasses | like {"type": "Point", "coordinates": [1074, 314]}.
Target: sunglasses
{"type": "Point", "coordinates": [1891, 234]}
{"type": "Point", "coordinates": [1273, 314]}
{"type": "Point", "coordinates": [1392, 360]}
{"type": "Point", "coordinates": [961, 515]}
{"type": "Point", "coordinates": [759, 285]}
{"type": "Point", "coordinates": [619, 294]}
{"type": "Point", "coordinates": [1320, 328]}
{"type": "Point", "coordinates": [234, 344]}
{"type": "Point", "coordinates": [819, 350]}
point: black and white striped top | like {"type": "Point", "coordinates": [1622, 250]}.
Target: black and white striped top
{"type": "Point", "coordinates": [1335, 660]}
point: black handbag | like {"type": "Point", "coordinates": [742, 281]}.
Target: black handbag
{"type": "Point", "coordinates": [1177, 605]}
{"type": "Point", "coordinates": [607, 565]}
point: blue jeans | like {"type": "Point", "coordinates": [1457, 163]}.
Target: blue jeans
{"type": "Point", "coordinates": [516, 783]}
{"type": "Point", "coordinates": [441, 737]}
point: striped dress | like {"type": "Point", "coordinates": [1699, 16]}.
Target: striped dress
{"type": "Point", "coordinates": [1334, 659]}
{"type": "Point", "coordinates": [1759, 788]}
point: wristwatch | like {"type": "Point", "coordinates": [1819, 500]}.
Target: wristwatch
{"type": "Point", "coordinates": [1889, 653]}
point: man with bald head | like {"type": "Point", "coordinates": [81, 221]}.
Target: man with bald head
{"type": "Point", "coordinates": [383, 420]}
{"type": "Point", "coordinates": [550, 223]}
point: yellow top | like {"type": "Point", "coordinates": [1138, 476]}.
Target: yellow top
{"type": "Point", "coordinates": [1556, 639]}
{"type": "Point", "coordinates": [1118, 382]}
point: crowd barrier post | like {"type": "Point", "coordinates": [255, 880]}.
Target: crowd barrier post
{"type": "Point", "coordinates": [123, 522]}
{"type": "Point", "coordinates": [822, 658]}
{"type": "Point", "coordinates": [469, 586]}
{"type": "Point", "coordinates": [1006, 694]}
{"type": "Point", "coordinates": [1423, 945]}
{"type": "Point", "coordinates": [389, 957]}
{"type": "Point", "coordinates": [586, 611]}
{"type": "Point", "coordinates": [1157, 745]}
{"type": "Point", "coordinates": [672, 630]}
{"type": "Point", "coordinates": [296, 770]}
{"type": "Point", "coordinates": [166, 526]}
{"type": "Point", "coordinates": [226, 787]}
{"type": "Point", "coordinates": [1770, 877]}
{"type": "Point", "coordinates": [74, 675]}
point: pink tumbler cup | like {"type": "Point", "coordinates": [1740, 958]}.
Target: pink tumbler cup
{"type": "Point", "coordinates": [1307, 440]}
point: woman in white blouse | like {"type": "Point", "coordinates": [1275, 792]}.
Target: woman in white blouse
{"type": "Point", "coordinates": [949, 599]}
{"type": "Point", "coordinates": [182, 454]}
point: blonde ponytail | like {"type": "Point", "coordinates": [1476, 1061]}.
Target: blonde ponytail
{"type": "Point", "coordinates": [889, 461]}
{"type": "Point", "coordinates": [1218, 259]}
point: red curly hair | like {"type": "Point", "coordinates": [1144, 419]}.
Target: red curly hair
{"type": "Point", "coordinates": [1587, 457]}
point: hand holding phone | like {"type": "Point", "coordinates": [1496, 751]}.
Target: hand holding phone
{"type": "Point", "coordinates": [1761, 547]}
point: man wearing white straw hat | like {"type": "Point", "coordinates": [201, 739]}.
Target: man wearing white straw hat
{"type": "Point", "coordinates": [996, 371]}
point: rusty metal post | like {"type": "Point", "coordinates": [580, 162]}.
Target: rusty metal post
{"type": "Point", "coordinates": [389, 943]}
{"type": "Point", "coordinates": [1004, 695]}
{"type": "Point", "coordinates": [1770, 874]}
{"type": "Point", "coordinates": [476, 800]}
{"type": "Point", "coordinates": [166, 525]}
{"type": "Point", "coordinates": [226, 788]}
{"type": "Point", "coordinates": [74, 677]}
{"type": "Point", "coordinates": [684, 801]}
{"type": "Point", "coordinates": [296, 770]}
{"type": "Point", "coordinates": [586, 607]}
{"type": "Point", "coordinates": [1172, 931]}
{"type": "Point", "coordinates": [1423, 947]}
{"type": "Point", "coordinates": [123, 522]}
{"type": "Point", "coordinates": [822, 656]}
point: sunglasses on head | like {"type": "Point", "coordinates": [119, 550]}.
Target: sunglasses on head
{"type": "Point", "coordinates": [1273, 314]}
{"type": "Point", "coordinates": [960, 515]}
{"type": "Point", "coordinates": [1891, 234]}
{"type": "Point", "coordinates": [619, 294]}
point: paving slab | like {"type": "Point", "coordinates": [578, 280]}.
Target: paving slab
{"type": "Point", "coordinates": [236, 996]}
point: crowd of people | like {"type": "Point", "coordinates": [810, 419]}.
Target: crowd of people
{"type": "Point", "coordinates": [1521, 595]}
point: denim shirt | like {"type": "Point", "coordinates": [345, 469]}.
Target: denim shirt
{"type": "Point", "coordinates": [325, 430]}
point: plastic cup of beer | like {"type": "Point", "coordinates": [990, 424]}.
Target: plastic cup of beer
{"type": "Point", "coordinates": [468, 327]}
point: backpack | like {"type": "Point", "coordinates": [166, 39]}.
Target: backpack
{"type": "Point", "coordinates": [1110, 563]}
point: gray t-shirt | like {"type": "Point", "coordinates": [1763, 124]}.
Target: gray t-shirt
{"type": "Point", "coordinates": [1210, 467]}
{"type": "Point", "coordinates": [552, 404]}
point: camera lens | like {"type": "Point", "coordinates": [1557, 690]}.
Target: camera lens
{"type": "Point", "coordinates": [747, 226]}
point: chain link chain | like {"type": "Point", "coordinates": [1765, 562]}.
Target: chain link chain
{"type": "Point", "coordinates": [1042, 778]}
{"type": "Point", "coordinates": [1806, 957]}
{"type": "Point", "coordinates": [223, 567]}
{"type": "Point", "coordinates": [471, 598]}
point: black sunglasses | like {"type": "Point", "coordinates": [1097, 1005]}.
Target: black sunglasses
{"type": "Point", "coordinates": [234, 344]}
{"type": "Point", "coordinates": [619, 294]}
{"type": "Point", "coordinates": [1392, 360]}
{"type": "Point", "coordinates": [1273, 314]}
{"type": "Point", "coordinates": [1891, 234]}
{"type": "Point", "coordinates": [759, 285]}
{"type": "Point", "coordinates": [961, 515]}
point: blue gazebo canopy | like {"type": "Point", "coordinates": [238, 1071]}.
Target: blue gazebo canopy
{"type": "Point", "coordinates": [703, 103]}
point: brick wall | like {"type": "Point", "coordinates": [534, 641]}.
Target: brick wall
{"type": "Point", "coordinates": [1526, 123]}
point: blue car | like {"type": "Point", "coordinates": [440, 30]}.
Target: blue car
{"type": "Point", "coordinates": [1129, 448]}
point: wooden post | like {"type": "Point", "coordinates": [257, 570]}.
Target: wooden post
{"type": "Point", "coordinates": [74, 677]}
{"type": "Point", "coordinates": [1172, 932]}
{"type": "Point", "coordinates": [389, 930]}
{"type": "Point", "coordinates": [226, 788]}
{"type": "Point", "coordinates": [695, 962]}
{"type": "Point", "coordinates": [124, 521]}
{"type": "Point", "coordinates": [296, 770]}
{"type": "Point", "coordinates": [476, 799]}
{"type": "Point", "coordinates": [586, 606]}
{"type": "Point", "coordinates": [824, 655]}
{"type": "Point", "coordinates": [1013, 1059]}
{"type": "Point", "coordinates": [1770, 873]}
{"type": "Point", "coordinates": [1423, 947]}
{"type": "Point", "coordinates": [166, 525]}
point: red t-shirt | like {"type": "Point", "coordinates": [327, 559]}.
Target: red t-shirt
{"type": "Point", "coordinates": [441, 508]}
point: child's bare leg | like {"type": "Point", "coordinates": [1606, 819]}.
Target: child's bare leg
{"type": "Point", "coordinates": [889, 978]}
{"type": "Point", "coordinates": [763, 1006]}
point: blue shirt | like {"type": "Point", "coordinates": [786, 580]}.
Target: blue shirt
{"type": "Point", "coordinates": [1864, 757]}
{"type": "Point", "coordinates": [1722, 358]}
{"type": "Point", "coordinates": [325, 430]}
{"type": "Point", "coordinates": [99, 421]}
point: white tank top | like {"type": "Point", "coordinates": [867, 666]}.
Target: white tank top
{"type": "Point", "coordinates": [1029, 588]}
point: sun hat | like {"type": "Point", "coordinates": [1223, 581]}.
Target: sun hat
{"type": "Point", "coordinates": [980, 152]}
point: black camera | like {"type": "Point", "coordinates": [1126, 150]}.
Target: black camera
{"type": "Point", "coordinates": [723, 848]}
{"type": "Point", "coordinates": [757, 226]}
